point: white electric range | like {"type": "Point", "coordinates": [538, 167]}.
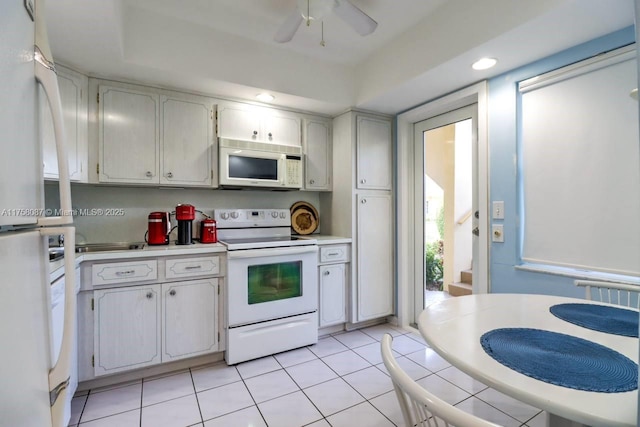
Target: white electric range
{"type": "Point", "coordinates": [272, 276]}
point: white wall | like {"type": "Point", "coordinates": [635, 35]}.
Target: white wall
{"type": "Point", "coordinates": [137, 202]}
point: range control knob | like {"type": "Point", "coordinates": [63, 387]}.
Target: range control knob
{"type": "Point", "coordinates": [274, 214]}
{"type": "Point", "coordinates": [283, 215]}
{"type": "Point", "coordinates": [234, 215]}
{"type": "Point", "coordinates": [224, 215]}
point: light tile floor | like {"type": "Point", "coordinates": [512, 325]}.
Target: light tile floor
{"type": "Point", "coordinates": [340, 381]}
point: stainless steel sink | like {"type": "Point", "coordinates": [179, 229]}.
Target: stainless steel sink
{"type": "Point", "coordinates": [102, 247]}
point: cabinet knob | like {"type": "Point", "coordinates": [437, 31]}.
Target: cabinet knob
{"type": "Point", "coordinates": [255, 133]}
{"type": "Point", "coordinates": [149, 174]}
{"type": "Point", "coordinates": [169, 175]}
{"type": "Point", "coordinates": [363, 201]}
{"type": "Point", "coordinates": [149, 295]}
{"type": "Point", "coordinates": [363, 181]}
{"type": "Point", "coordinates": [327, 272]}
{"type": "Point", "coordinates": [270, 135]}
{"type": "Point", "coordinates": [312, 181]}
{"type": "Point", "coordinates": [172, 292]}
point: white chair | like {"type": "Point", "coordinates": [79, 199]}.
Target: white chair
{"type": "Point", "coordinates": [610, 292]}
{"type": "Point", "coordinates": [420, 407]}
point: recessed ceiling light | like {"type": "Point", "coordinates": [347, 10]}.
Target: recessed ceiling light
{"type": "Point", "coordinates": [484, 63]}
{"type": "Point", "coordinates": [265, 97]}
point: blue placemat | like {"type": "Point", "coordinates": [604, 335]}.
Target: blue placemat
{"type": "Point", "coordinates": [611, 320]}
{"type": "Point", "coordinates": [561, 359]}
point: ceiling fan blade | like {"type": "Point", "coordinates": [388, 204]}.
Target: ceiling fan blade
{"type": "Point", "coordinates": [289, 28]}
{"type": "Point", "coordinates": [362, 23]}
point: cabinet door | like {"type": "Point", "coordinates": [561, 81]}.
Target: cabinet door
{"type": "Point", "coordinates": [189, 320]}
{"type": "Point", "coordinates": [374, 293]}
{"type": "Point", "coordinates": [317, 149]}
{"type": "Point", "coordinates": [332, 294]}
{"type": "Point", "coordinates": [187, 141]}
{"type": "Point", "coordinates": [128, 135]}
{"type": "Point", "coordinates": [238, 121]}
{"type": "Point", "coordinates": [126, 328]}
{"type": "Point", "coordinates": [73, 90]}
{"type": "Point", "coordinates": [281, 129]}
{"type": "Point", "coordinates": [373, 153]}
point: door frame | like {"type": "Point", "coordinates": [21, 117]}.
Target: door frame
{"type": "Point", "coordinates": [406, 218]}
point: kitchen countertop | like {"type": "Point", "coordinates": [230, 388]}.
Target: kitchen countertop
{"type": "Point", "coordinates": [56, 267]}
{"type": "Point", "coordinates": [324, 239]}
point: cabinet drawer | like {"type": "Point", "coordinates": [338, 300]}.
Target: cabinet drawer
{"type": "Point", "coordinates": [192, 267]}
{"type": "Point", "coordinates": [335, 253]}
{"type": "Point", "coordinates": [124, 272]}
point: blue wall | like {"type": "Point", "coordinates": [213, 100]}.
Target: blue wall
{"type": "Point", "coordinates": [503, 184]}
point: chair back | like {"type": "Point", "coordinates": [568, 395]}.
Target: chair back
{"type": "Point", "coordinates": [419, 406]}
{"type": "Point", "coordinates": [611, 292]}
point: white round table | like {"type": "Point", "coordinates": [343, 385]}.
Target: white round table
{"type": "Point", "coordinates": [453, 328]}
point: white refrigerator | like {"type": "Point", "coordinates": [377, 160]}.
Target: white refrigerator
{"type": "Point", "coordinates": [33, 378]}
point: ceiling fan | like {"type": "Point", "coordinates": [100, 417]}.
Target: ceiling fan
{"type": "Point", "coordinates": [315, 10]}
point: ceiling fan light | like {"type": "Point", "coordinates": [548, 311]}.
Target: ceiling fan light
{"type": "Point", "coordinates": [315, 10]}
{"type": "Point", "coordinates": [484, 63]}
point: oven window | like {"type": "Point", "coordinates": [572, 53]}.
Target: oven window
{"type": "Point", "coordinates": [272, 282]}
{"type": "Point", "coordinates": [253, 168]}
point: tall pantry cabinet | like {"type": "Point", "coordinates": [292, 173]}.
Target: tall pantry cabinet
{"type": "Point", "coordinates": [361, 207]}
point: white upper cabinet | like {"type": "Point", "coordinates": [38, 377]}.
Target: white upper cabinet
{"type": "Point", "coordinates": [128, 135]}
{"type": "Point", "coordinates": [374, 153]}
{"type": "Point", "coordinates": [317, 149]}
{"type": "Point", "coordinates": [186, 141]}
{"type": "Point", "coordinates": [73, 94]}
{"type": "Point", "coordinates": [252, 123]}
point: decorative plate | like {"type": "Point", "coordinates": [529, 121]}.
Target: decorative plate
{"type": "Point", "coordinates": [304, 218]}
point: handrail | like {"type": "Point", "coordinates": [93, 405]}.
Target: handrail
{"type": "Point", "coordinates": [465, 217]}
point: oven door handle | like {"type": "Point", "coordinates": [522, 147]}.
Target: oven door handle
{"type": "Point", "coordinates": [257, 253]}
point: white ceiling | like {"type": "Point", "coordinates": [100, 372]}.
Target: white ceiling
{"type": "Point", "coordinates": [421, 49]}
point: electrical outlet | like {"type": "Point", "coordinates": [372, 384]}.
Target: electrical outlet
{"type": "Point", "coordinates": [498, 210]}
{"type": "Point", "coordinates": [497, 233]}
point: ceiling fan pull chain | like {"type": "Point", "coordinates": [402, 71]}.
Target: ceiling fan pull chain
{"type": "Point", "coordinates": [308, 13]}
{"type": "Point", "coordinates": [322, 34]}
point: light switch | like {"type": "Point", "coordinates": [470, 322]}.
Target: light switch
{"type": "Point", "coordinates": [497, 233]}
{"type": "Point", "coordinates": [498, 210]}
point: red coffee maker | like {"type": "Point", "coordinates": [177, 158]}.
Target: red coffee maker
{"type": "Point", "coordinates": [159, 228]}
{"type": "Point", "coordinates": [208, 231]}
{"type": "Point", "coordinates": [185, 214]}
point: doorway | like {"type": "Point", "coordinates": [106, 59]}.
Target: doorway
{"type": "Point", "coordinates": [410, 228]}
{"type": "Point", "coordinates": [446, 199]}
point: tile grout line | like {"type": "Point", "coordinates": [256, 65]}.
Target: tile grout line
{"type": "Point", "coordinates": [195, 392]}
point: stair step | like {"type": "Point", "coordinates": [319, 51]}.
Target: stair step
{"type": "Point", "coordinates": [460, 289]}
{"type": "Point", "coordinates": [466, 276]}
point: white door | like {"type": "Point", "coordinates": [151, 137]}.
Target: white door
{"type": "Point", "coordinates": [332, 283]}
{"type": "Point", "coordinates": [25, 309]}
{"type": "Point", "coordinates": [187, 141]}
{"type": "Point", "coordinates": [374, 154]}
{"type": "Point", "coordinates": [236, 121]}
{"type": "Point", "coordinates": [317, 149]}
{"type": "Point", "coordinates": [281, 130]}
{"type": "Point", "coordinates": [126, 328]}
{"type": "Point", "coordinates": [189, 318]}
{"type": "Point", "coordinates": [446, 183]}
{"type": "Point", "coordinates": [374, 293]}
{"type": "Point", "coordinates": [128, 135]}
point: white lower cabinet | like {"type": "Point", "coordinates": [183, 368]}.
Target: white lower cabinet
{"type": "Point", "coordinates": [126, 328]}
{"type": "Point", "coordinates": [189, 320]}
{"type": "Point", "coordinates": [333, 271]}
{"type": "Point", "coordinates": [333, 282]}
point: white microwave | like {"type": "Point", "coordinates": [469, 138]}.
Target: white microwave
{"type": "Point", "coordinates": [258, 164]}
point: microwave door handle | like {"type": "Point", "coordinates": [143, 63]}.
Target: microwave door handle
{"type": "Point", "coordinates": [282, 166]}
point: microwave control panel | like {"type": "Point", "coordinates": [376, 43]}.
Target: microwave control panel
{"type": "Point", "coordinates": [293, 165]}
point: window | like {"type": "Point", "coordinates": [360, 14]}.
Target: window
{"type": "Point", "coordinates": [579, 166]}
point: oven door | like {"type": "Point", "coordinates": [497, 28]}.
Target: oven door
{"type": "Point", "coordinates": [267, 284]}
